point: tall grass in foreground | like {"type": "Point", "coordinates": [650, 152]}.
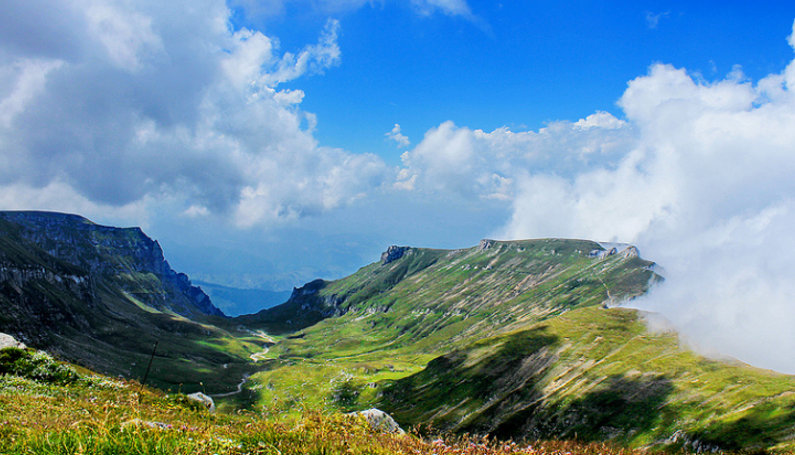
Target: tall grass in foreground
{"type": "Point", "coordinates": [95, 415]}
{"type": "Point", "coordinates": [50, 408]}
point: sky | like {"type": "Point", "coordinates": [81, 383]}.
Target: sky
{"type": "Point", "coordinates": [266, 143]}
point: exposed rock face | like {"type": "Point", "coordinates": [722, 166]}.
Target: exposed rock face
{"type": "Point", "coordinates": [109, 252]}
{"type": "Point", "coordinates": [393, 253]}
{"type": "Point", "coordinates": [624, 249]}
{"type": "Point", "coordinates": [308, 298]}
{"type": "Point", "coordinates": [485, 244]}
{"type": "Point", "coordinates": [379, 421]}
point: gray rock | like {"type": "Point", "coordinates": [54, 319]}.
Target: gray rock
{"type": "Point", "coordinates": [393, 253]}
{"type": "Point", "coordinates": [485, 244]}
{"type": "Point", "coordinates": [203, 399]}
{"type": "Point", "coordinates": [7, 341]}
{"type": "Point", "coordinates": [379, 421]}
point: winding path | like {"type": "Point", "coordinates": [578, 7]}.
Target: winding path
{"type": "Point", "coordinates": [234, 392]}
{"type": "Point", "coordinates": [255, 357]}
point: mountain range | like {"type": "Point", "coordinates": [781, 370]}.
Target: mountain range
{"type": "Point", "coordinates": [527, 339]}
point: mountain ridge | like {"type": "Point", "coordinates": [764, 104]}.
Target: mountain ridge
{"type": "Point", "coordinates": [512, 339]}
{"type": "Point", "coordinates": [103, 296]}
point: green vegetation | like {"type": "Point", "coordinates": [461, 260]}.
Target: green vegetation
{"type": "Point", "coordinates": [93, 415]}
{"type": "Point", "coordinates": [597, 375]}
{"type": "Point", "coordinates": [515, 340]}
{"type": "Point", "coordinates": [38, 366]}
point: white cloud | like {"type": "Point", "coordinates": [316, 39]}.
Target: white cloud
{"type": "Point", "coordinates": [698, 175]}
{"type": "Point", "coordinates": [60, 197]}
{"type": "Point", "coordinates": [156, 99]}
{"type": "Point", "coordinates": [653, 19]}
{"type": "Point", "coordinates": [126, 35]}
{"type": "Point", "coordinates": [395, 135]}
{"type": "Point", "coordinates": [474, 163]}
{"type": "Point", "coordinates": [707, 191]}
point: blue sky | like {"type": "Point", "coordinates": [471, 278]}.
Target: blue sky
{"type": "Point", "coordinates": [265, 143]}
{"type": "Point", "coordinates": [521, 64]}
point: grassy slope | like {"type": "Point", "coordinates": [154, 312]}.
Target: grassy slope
{"type": "Point", "coordinates": [400, 315]}
{"type": "Point", "coordinates": [598, 374]}
{"type": "Point", "coordinates": [512, 340]}
{"type": "Point", "coordinates": [90, 414]}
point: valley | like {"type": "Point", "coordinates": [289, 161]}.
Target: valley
{"type": "Point", "coordinates": [518, 340]}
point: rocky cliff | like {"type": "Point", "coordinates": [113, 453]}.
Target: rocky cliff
{"type": "Point", "coordinates": [102, 297]}
{"type": "Point", "coordinates": [123, 255]}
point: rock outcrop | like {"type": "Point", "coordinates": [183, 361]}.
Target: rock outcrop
{"type": "Point", "coordinates": [204, 400]}
{"type": "Point", "coordinates": [393, 253]}
{"type": "Point", "coordinates": [7, 341]}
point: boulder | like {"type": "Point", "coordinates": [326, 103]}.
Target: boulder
{"type": "Point", "coordinates": [7, 341]}
{"type": "Point", "coordinates": [203, 399]}
{"type": "Point", "coordinates": [379, 421]}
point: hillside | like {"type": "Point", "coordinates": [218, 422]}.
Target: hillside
{"type": "Point", "coordinates": [48, 407]}
{"type": "Point", "coordinates": [510, 339]}
{"type": "Point", "coordinates": [598, 374]}
{"type": "Point", "coordinates": [517, 340]}
{"type": "Point", "coordinates": [102, 296]}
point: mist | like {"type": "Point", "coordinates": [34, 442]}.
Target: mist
{"type": "Point", "coordinates": [706, 190]}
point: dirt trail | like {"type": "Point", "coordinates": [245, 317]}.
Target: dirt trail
{"type": "Point", "coordinates": [257, 356]}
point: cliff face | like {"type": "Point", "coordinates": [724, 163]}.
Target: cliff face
{"type": "Point", "coordinates": [125, 256]}
{"type": "Point", "coordinates": [102, 296]}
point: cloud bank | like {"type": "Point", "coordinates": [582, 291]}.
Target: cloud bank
{"type": "Point", "coordinates": [120, 102]}
{"type": "Point", "coordinates": [699, 176]}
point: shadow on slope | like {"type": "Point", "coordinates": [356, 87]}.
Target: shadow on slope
{"type": "Point", "coordinates": [455, 386]}
{"type": "Point", "coordinates": [617, 409]}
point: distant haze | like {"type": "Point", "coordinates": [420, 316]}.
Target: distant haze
{"type": "Point", "coordinates": [235, 301]}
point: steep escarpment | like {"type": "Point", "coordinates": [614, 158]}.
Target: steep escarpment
{"type": "Point", "coordinates": [103, 296]}
{"type": "Point", "coordinates": [126, 256]}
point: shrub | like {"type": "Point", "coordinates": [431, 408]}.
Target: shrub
{"type": "Point", "coordinates": [345, 390]}
{"type": "Point", "coordinates": [38, 366]}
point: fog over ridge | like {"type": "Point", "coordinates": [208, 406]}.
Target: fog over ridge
{"type": "Point", "coordinates": [706, 190]}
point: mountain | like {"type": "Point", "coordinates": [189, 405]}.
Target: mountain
{"type": "Point", "coordinates": [518, 339]}
{"type": "Point", "coordinates": [237, 301]}
{"type": "Point", "coordinates": [103, 296]}
{"type": "Point", "coordinates": [512, 339]}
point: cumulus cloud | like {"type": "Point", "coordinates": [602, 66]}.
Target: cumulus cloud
{"type": "Point", "coordinates": [395, 135]}
{"type": "Point", "coordinates": [698, 175]}
{"type": "Point", "coordinates": [479, 164]}
{"type": "Point", "coordinates": [706, 190]}
{"type": "Point", "coordinates": [154, 100]}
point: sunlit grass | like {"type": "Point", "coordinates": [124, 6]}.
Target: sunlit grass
{"type": "Point", "coordinates": [93, 414]}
